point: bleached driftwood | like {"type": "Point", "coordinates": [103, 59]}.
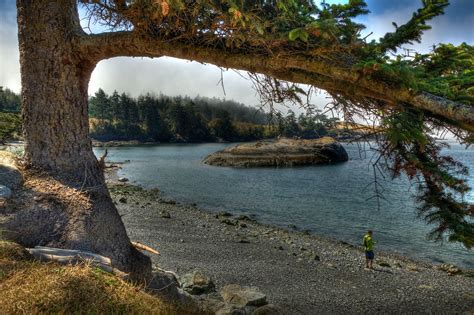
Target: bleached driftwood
{"type": "Point", "coordinates": [71, 252]}
{"type": "Point", "coordinates": [141, 246]}
{"type": "Point", "coordinates": [71, 256]}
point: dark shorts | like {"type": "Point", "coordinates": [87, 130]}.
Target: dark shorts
{"type": "Point", "coordinates": [369, 254]}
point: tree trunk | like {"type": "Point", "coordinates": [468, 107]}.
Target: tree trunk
{"type": "Point", "coordinates": [55, 77]}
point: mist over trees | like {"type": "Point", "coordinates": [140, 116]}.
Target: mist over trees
{"type": "Point", "coordinates": [160, 118]}
{"type": "Point", "coordinates": [163, 118]}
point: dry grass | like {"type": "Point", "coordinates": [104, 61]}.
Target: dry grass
{"type": "Point", "coordinates": [30, 287]}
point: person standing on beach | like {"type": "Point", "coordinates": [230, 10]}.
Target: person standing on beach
{"type": "Point", "coordinates": [369, 249]}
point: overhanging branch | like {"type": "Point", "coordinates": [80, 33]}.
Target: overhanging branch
{"type": "Point", "coordinates": [294, 68]}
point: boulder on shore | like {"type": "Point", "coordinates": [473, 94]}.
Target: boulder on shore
{"type": "Point", "coordinates": [197, 283]}
{"type": "Point", "coordinates": [243, 296]}
{"type": "Point", "coordinates": [281, 152]}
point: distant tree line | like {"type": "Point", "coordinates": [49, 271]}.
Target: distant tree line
{"type": "Point", "coordinates": [9, 101]}
{"type": "Point", "coordinates": [163, 118]}
{"type": "Point", "coordinates": [307, 126]}
{"type": "Point", "coordinates": [172, 119]}
{"type": "Point", "coordinates": [10, 121]}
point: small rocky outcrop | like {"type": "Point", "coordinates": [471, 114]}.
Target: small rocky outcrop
{"type": "Point", "coordinates": [281, 152]}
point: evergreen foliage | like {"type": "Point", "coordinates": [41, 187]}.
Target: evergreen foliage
{"type": "Point", "coordinates": [9, 101]}
{"type": "Point", "coordinates": [182, 119]}
{"type": "Point", "coordinates": [10, 126]}
{"type": "Point", "coordinates": [440, 179]}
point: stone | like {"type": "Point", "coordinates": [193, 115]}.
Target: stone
{"type": "Point", "coordinates": [384, 264]}
{"type": "Point", "coordinates": [123, 179]}
{"type": "Point", "coordinates": [211, 303]}
{"type": "Point", "coordinates": [228, 222]}
{"type": "Point", "coordinates": [123, 200]}
{"type": "Point", "coordinates": [165, 214]}
{"type": "Point", "coordinates": [243, 240]}
{"type": "Point", "coordinates": [5, 192]}
{"type": "Point", "coordinates": [223, 214]}
{"type": "Point", "coordinates": [450, 269]}
{"type": "Point", "coordinates": [230, 309]}
{"type": "Point", "coordinates": [11, 175]}
{"type": "Point", "coordinates": [413, 268]}
{"type": "Point", "coordinates": [268, 309]}
{"type": "Point", "coordinates": [244, 218]}
{"type": "Point", "coordinates": [197, 283]}
{"type": "Point", "coordinates": [315, 257]}
{"type": "Point", "coordinates": [165, 285]}
{"type": "Point", "coordinates": [169, 202]}
{"type": "Point", "coordinates": [243, 296]}
{"type": "Point", "coordinates": [468, 273]}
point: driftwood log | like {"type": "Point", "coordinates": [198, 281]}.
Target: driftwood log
{"type": "Point", "coordinates": [141, 246]}
{"type": "Point", "coordinates": [71, 256]}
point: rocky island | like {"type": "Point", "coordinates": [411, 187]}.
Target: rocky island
{"type": "Point", "coordinates": [280, 152]}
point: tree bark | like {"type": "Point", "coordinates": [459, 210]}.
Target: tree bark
{"type": "Point", "coordinates": [55, 77]}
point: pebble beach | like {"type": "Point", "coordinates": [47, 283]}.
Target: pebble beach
{"type": "Point", "coordinates": [299, 273]}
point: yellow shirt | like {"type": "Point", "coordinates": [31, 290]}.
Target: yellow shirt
{"type": "Point", "coordinates": [368, 243]}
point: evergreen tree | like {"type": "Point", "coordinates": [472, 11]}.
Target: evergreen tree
{"type": "Point", "coordinates": [115, 106]}
{"type": "Point", "coordinates": [9, 101]}
{"type": "Point", "coordinates": [99, 105]}
{"type": "Point", "coordinates": [290, 126]}
{"type": "Point", "coordinates": [222, 127]}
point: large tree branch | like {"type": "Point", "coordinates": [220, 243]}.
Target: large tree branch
{"type": "Point", "coordinates": [293, 68]}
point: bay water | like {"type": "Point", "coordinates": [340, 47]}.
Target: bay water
{"type": "Point", "coordinates": [335, 201]}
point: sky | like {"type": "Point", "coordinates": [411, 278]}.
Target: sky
{"type": "Point", "coordinates": [179, 77]}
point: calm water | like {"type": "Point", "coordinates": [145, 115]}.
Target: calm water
{"type": "Point", "coordinates": [327, 200]}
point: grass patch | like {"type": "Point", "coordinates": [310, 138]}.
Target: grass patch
{"type": "Point", "coordinates": [30, 287]}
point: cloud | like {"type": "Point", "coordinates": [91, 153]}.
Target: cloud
{"type": "Point", "coordinates": [169, 76]}
{"type": "Point", "coordinates": [172, 76]}
{"type": "Point", "coordinates": [455, 26]}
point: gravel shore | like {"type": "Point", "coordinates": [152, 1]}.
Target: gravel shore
{"type": "Point", "coordinates": [301, 274]}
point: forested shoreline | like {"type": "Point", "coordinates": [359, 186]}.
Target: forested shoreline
{"type": "Point", "coordinates": [160, 118]}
